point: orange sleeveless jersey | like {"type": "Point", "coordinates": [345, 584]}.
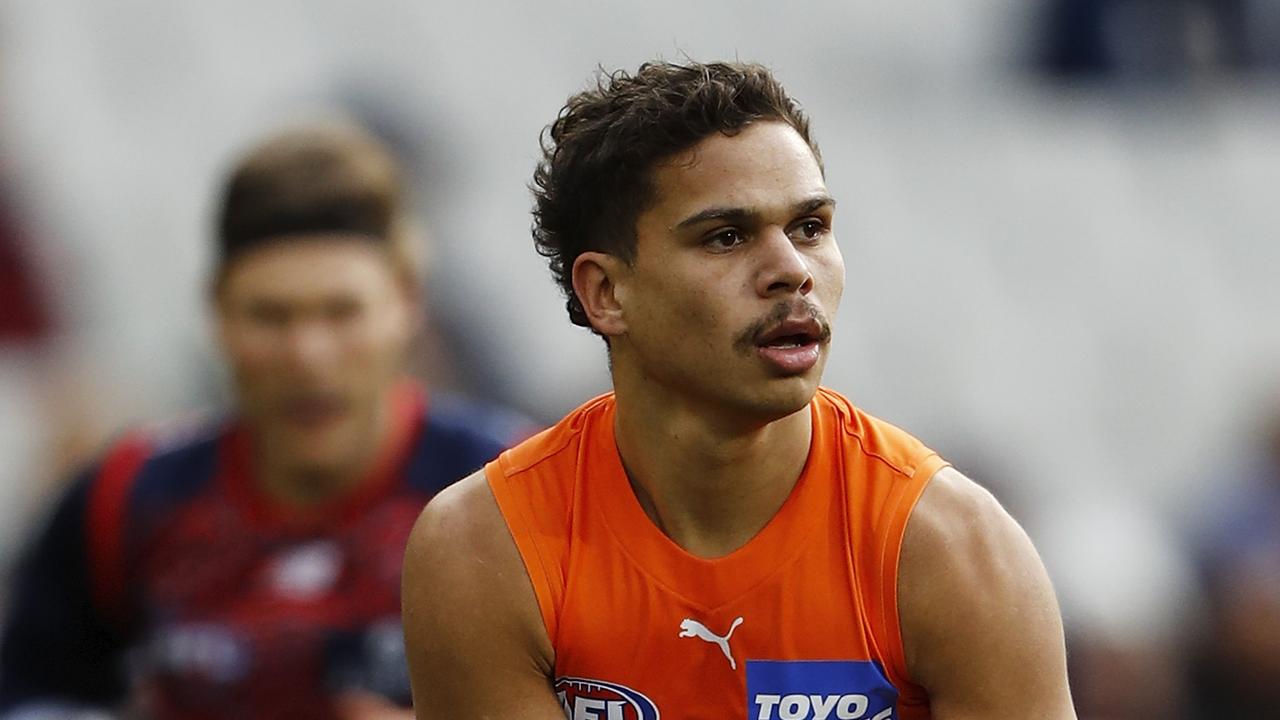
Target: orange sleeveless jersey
{"type": "Point", "coordinates": [800, 623]}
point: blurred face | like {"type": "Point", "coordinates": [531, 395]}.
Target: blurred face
{"type": "Point", "coordinates": [314, 330]}
{"type": "Point", "coordinates": [737, 276]}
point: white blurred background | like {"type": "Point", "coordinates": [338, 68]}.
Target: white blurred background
{"type": "Point", "coordinates": [1059, 219]}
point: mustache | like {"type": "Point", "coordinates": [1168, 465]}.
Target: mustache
{"type": "Point", "coordinates": [781, 312]}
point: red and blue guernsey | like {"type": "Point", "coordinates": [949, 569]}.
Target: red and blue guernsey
{"type": "Point", "coordinates": [166, 580]}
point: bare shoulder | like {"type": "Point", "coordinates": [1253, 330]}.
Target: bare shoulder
{"type": "Point", "coordinates": [959, 528]}
{"type": "Point", "coordinates": [980, 624]}
{"type": "Point", "coordinates": [459, 516]}
{"type": "Point", "coordinates": [473, 632]}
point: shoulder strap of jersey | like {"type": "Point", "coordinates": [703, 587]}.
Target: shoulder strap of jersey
{"type": "Point", "coordinates": [106, 516]}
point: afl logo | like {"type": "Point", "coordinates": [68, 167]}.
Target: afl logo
{"type": "Point", "coordinates": [584, 699]}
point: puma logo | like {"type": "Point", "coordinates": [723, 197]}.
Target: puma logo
{"type": "Point", "coordinates": [692, 628]}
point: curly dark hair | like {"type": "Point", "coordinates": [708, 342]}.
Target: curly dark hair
{"type": "Point", "coordinates": [594, 179]}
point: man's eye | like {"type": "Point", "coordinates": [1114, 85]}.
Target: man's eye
{"type": "Point", "coordinates": [268, 315]}
{"type": "Point", "coordinates": [811, 229]}
{"type": "Point", "coordinates": [726, 239]}
{"type": "Point", "coordinates": [342, 311]}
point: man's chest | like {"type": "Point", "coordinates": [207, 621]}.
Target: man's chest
{"type": "Point", "coordinates": [797, 645]}
{"type": "Point", "coordinates": [241, 617]}
{"type": "Point", "coordinates": [208, 559]}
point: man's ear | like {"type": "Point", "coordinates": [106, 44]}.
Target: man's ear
{"type": "Point", "coordinates": [413, 305]}
{"type": "Point", "coordinates": [595, 282]}
{"type": "Point", "coordinates": [219, 308]}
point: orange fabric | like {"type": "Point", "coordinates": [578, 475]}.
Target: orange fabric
{"type": "Point", "coordinates": [818, 583]}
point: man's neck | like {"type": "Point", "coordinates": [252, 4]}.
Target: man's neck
{"type": "Point", "coordinates": [710, 485]}
{"type": "Point", "coordinates": [307, 487]}
{"type": "Point", "coordinates": [289, 482]}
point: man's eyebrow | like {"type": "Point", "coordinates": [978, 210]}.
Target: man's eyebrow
{"type": "Point", "coordinates": [732, 214]}
{"type": "Point", "coordinates": [814, 203]}
{"type": "Point", "coordinates": [744, 215]}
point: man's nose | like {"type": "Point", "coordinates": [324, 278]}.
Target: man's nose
{"type": "Point", "coordinates": [309, 342]}
{"type": "Point", "coordinates": [783, 269]}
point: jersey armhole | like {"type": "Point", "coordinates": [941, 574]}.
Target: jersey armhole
{"type": "Point", "coordinates": [548, 585]}
{"type": "Point", "coordinates": [898, 508]}
{"type": "Point", "coordinates": [106, 519]}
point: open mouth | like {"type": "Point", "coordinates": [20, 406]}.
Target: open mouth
{"type": "Point", "coordinates": [790, 341]}
{"type": "Point", "coordinates": [313, 410]}
{"type": "Point", "coordinates": [793, 332]}
{"type": "Point", "coordinates": [793, 346]}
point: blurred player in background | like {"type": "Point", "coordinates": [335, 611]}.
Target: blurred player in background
{"type": "Point", "coordinates": [1236, 660]}
{"type": "Point", "coordinates": [719, 537]}
{"type": "Point", "coordinates": [250, 568]}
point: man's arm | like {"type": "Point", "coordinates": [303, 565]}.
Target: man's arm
{"type": "Point", "coordinates": [981, 627]}
{"type": "Point", "coordinates": [60, 656]}
{"type": "Point", "coordinates": [474, 635]}
{"type": "Point", "coordinates": [358, 705]}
